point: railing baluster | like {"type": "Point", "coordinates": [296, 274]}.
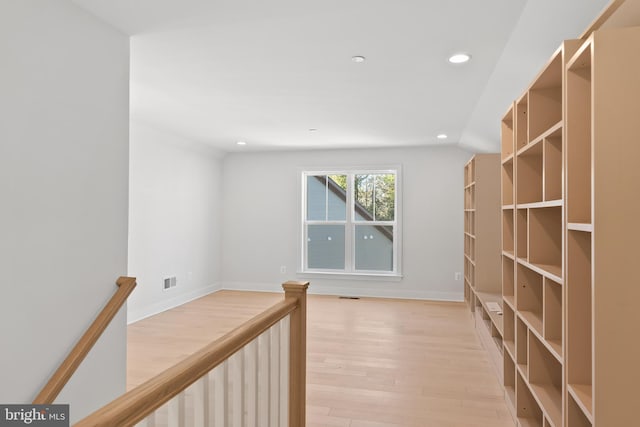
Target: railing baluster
{"type": "Point", "coordinates": [220, 394]}
{"type": "Point", "coordinates": [210, 402]}
{"type": "Point", "coordinates": [274, 380]}
{"type": "Point", "coordinates": [236, 383]}
{"type": "Point", "coordinates": [264, 353]}
{"type": "Point", "coordinates": [251, 382]}
{"type": "Point", "coordinates": [200, 402]}
{"type": "Point", "coordinates": [284, 371]}
{"type": "Point", "coordinates": [176, 411]}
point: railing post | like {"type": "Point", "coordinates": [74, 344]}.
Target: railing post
{"type": "Point", "coordinates": [297, 353]}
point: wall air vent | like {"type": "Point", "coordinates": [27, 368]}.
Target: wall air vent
{"type": "Point", "coordinates": [169, 282]}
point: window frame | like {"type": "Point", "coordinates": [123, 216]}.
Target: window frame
{"type": "Point", "coordinates": [350, 223]}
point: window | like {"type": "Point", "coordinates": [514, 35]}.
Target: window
{"type": "Point", "coordinates": [350, 222]}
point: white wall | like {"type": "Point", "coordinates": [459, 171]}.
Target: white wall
{"type": "Point", "coordinates": [174, 219]}
{"type": "Point", "coordinates": [261, 220]}
{"type": "Point", "coordinates": [63, 187]}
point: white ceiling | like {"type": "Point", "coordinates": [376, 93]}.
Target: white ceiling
{"type": "Point", "coordinates": [265, 72]}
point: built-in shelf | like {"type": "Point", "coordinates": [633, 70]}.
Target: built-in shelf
{"type": "Point", "coordinates": [532, 273]}
{"type": "Point", "coordinates": [583, 395]}
{"type": "Point", "coordinates": [545, 379]}
{"type": "Point", "coordinates": [482, 253]}
{"type": "Point", "coordinates": [550, 399]}
{"type": "Point", "coordinates": [575, 226]}
{"type": "Point", "coordinates": [496, 317]}
{"type": "Point", "coordinates": [538, 205]}
{"type": "Point", "coordinates": [510, 300]}
{"type": "Point", "coordinates": [553, 272]}
{"type": "Point", "coordinates": [532, 319]}
{"type": "Point", "coordinates": [508, 159]}
{"type": "Point", "coordinates": [509, 329]}
{"type": "Point", "coordinates": [576, 416]}
{"type": "Point", "coordinates": [522, 352]}
{"type": "Point", "coordinates": [528, 410]}
{"type": "Point", "coordinates": [569, 150]}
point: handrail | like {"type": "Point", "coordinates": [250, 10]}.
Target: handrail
{"type": "Point", "coordinates": [64, 372]}
{"type": "Point", "coordinates": [135, 405]}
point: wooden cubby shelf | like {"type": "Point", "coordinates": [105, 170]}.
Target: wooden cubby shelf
{"type": "Point", "coordinates": [507, 183]}
{"type": "Point", "coordinates": [552, 166]}
{"type": "Point", "coordinates": [552, 315]}
{"type": "Point", "coordinates": [509, 331]}
{"type": "Point", "coordinates": [545, 98]}
{"type": "Point", "coordinates": [550, 271]}
{"type": "Point", "coordinates": [545, 378]}
{"type": "Point", "coordinates": [528, 411]}
{"type": "Point", "coordinates": [522, 231]}
{"type": "Point", "coordinates": [575, 415]}
{"type": "Point", "coordinates": [569, 191]}
{"type": "Point", "coordinates": [582, 395]}
{"type": "Point", "coordinates": [545, 239]}
{"type": "Point", "coordinates": [529, 299]}
{"type": "Point", "coordinates": [509, 379]}
{"type": "Point", "coordinates": [495, 317]}
{"type": "Point", "coordinates": [579, 317]}
{"type": "Point", "coordinates": [522, 120]}
{"type": "Point", "coordinates": [507, 230]}
{"type": "Point", "coordinates": [508, 280]}
{"type": "Point", "coordinates": [579, 137]}
{"type": "Point", "coordinates": [522, 356]}
{"type": "Point", "coordinates": [529, 174]}
{"type": "Point", "coordinates": [507, 136]}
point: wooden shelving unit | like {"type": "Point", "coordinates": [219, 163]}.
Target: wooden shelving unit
{"type": "Point", "coordinates": [482, 273]}
{"type": "Point", "coordinates": [533, 246]}
{"type": "Point", "coordinates": [570, 201]}
{"type": "Point", "coordinates": [602, 349]}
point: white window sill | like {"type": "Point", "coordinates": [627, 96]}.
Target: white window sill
{"type": "Point", "coordinates": [391, 277]}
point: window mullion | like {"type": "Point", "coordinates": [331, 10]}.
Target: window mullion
{"type": "Point", "coordinates": [347, 232]}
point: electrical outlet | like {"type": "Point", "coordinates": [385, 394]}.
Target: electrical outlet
{"type": "Point", "coordinates": [283, 269]}
{"type": "Point", "coordinates": [457, 276]}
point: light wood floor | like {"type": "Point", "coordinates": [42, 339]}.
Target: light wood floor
{"type": "Point", "coordinates": [371, 362]}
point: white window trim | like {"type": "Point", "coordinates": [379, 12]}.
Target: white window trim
{"type": "Point", "coordinates": [349, 272]}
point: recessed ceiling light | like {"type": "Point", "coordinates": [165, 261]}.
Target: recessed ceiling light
{"type": "Point", "coordinates": [442, 136]}
{"type": "Point", "coordinates": [241, 143]}
{"type": "Point", "coordinates": [313, 130]}
{"type": "Point", "coordinates": [459, 58]}
{"type": "Point", "coordinates": [358, 58]}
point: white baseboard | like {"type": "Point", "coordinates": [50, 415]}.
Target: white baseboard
{"type": "Point", "coordinates": [133, 315]}
{"type": "Point", "coordinates": [355, 291]}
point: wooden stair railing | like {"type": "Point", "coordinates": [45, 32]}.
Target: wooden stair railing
{"type": "Point", "coordinates": [64, 372]}
{"type": "Point", "coordinates": [198, 375]}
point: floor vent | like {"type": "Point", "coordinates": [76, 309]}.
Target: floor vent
{"type": "Point", "coordinates": [349, 297]}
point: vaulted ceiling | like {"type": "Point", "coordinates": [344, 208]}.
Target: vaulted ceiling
{"type": "Point", "coordinates": [279, 74]}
